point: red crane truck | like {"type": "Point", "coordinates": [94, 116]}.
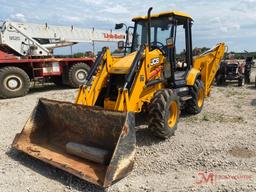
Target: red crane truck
{"type": "Point", "coordinates": [26, 55]}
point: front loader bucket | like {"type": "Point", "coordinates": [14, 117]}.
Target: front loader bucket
{"type": "Point", "coordinates": [94, 144]}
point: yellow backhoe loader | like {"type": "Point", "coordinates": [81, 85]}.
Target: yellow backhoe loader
{"type": "Point", "coordinates": [94, 138]}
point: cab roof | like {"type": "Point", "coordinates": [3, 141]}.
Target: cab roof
{"type": "Point", "coordinates": [166, 13]}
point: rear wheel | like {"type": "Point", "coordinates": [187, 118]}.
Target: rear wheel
{"type": "Point", "coordinates": [196, 103]}
{"type": "Point", "coordinates": [164, 113]}
{"type": "Point", "coordinates": [14, 82]}
{"type": "Point", "coordinates": [77, 74]}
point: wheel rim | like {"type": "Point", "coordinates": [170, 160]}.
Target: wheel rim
{"type": "Point", "coordinates": [200, 99]}
{"type": "Point", "coordinates": [13, 83]}
{"type": "Point", "coordinates": [173, 108]}
{"type": "Point", "coordinates": [81, 75]}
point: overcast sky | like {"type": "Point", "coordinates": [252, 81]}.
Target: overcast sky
{"type": "Point", "coordinates": [231, 21]}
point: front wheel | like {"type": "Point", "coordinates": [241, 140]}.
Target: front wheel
{"type": "Point", "coordinates": [220, 80]}
{"type": "Point", "coordinates": [14, 82]}
{"type": "Point", "coordinates": [247, 79]}
{"type": "Point", "coordinates": [164, 112]}
{"type": "Point", "coordinates": [241, 82]}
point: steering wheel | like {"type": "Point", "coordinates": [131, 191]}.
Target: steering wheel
{"type": "Point", "coordinates": [154, 45]}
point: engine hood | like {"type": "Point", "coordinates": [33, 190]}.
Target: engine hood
{"type": "Point", "coordinates": [122, 66]}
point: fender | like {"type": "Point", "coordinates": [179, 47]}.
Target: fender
{"type": "Point", "coordinates": [193, 74]}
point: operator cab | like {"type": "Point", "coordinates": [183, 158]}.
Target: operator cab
{"type": "Point", "coordinates": [166, 27]}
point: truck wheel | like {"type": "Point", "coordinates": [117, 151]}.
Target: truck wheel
{"type": "Point", "coordinates": [196, 103]}
{"type": "Point", "coordinates": [220, 76]}
{"type": "Point", "coordinates": [14, 82]}
{"type": "Point", "coordinates": [241, 82]}
{"type": "Point", "coordinates": [220, 80]}
{"type": "Point", "coordinates": [164, 112]}
{"type": "Point", "coordinates": [77, 74]}
{"type": "Point", "coordinates": [247, 79]}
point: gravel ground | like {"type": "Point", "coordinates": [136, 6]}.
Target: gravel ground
{"type": "Point", "coordinates": [219, 144]}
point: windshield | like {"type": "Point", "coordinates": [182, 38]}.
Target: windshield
{"type": "Point", "coordinates": [160, 31]}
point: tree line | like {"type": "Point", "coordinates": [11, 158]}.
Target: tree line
{"type": "Point", "coordinates": [196, 51]}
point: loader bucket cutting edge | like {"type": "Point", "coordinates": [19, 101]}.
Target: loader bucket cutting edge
{"type": "Point", "coordinates": [54, 124]}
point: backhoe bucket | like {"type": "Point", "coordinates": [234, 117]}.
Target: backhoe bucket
{"type": "Point", "coordinates": [94, 144]}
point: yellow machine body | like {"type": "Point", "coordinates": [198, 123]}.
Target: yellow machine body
{"type": "Point", "coordinates": [204, 66]}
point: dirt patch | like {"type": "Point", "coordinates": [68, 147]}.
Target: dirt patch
{"type": "Point", "coordinates": [215, 117]}
{"type": "Point", "coordinates": [240, 152]}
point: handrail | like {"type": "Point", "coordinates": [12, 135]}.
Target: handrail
{"type": "Point", "coordinates": [96, 65]}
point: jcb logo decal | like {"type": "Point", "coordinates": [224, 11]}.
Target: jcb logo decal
{"type": "Point", "coordinates": [154, 61]}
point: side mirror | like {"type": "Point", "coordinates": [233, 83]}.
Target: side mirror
{"type": "Point", "coordinates": [119, 26]}
{"type": "Point", "coordinates": [170, 42]}
{"type": "Point", "coordinates": [120, 45]}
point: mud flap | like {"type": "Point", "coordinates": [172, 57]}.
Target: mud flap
{"type": "Point", "coordinates": [53, 124]}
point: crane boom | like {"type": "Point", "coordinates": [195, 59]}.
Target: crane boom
{"type": "Point", "coordinates": [39, 40]}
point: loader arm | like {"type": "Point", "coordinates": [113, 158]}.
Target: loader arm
{"type": "Point", "coordinates": [88, 94]}
{"type": "Point", "coordinates": [134, 91]}
{"type": "Point", "coordinates": [208, 64]}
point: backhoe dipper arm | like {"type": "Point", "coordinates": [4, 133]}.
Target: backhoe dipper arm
{"type": "Point", "coordinates": [208, 64]}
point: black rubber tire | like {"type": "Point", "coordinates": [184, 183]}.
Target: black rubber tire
{"type": "Point", "coordinates": [220, 80]}
{"type": "Point", "coordinates": [192, 104]}
{"type": "Point", "coordinates": [18, 74]}
{"type": "Point", "coordinates": [241, 82]}
{"type": "Point", "coordinates": [73, 81]}
{"type": "Point", "coordinates": [247, 79]}
{"type": "Point", "coordinates": [220, 76]}
{"type": "Point", "coordinates": [159, 113]}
